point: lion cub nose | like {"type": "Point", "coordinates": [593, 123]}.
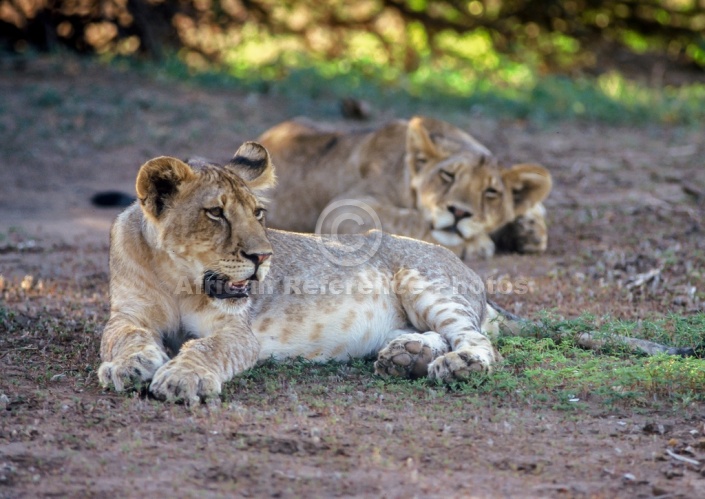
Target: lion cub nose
{"type": "Point", "coordinates": [459, 213]}
{"type": "Point", "coordinates": [256, 258]}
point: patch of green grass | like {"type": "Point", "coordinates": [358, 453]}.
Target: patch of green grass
{"type": "Point", "coordinates": [7, 319]}
{"type": "Point", "coordinates": [548, 370]}
{"type": "Point", "coordinates": [540, 371]}
{"type": "Point", "coordinates": [510, 90]}
{"type": "Point", "coordinates": [672, 330]}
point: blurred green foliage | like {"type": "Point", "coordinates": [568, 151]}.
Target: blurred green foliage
{"type": "Point", "coordinates": [403, 34]}
{"type": "Point", "coordinates": [541, 99]}
{"type": "Point", "coordinates": [508, 57]}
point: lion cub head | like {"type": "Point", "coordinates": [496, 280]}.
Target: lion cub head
{"type": "Point", "coordinates": [459, 187]}
{"type": "Point", "coordinates": [209, 220]}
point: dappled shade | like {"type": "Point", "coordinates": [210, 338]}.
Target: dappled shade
{"type": "Point", "coordinates": [554, 34]}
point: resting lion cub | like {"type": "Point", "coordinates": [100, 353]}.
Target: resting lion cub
{"type": "Point", "coordinates": [193, 270]}
{"type": "Point", "coordinates": [421, 178]}
{"type": "Point", "coordinates": [192, 265]}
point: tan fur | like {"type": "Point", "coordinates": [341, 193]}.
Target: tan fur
{"type": "Point", "coordinates": [408, 302]}
{"type": "Point", "coordinates": [423, 178]}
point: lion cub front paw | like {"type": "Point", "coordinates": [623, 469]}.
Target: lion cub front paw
{"type": "Point", "coordinates": [408, 356]}
{"type": "Point", "coordinates": [478, 247]}
{"type": "Point", "coordinates": [531, 235]}
{"type": "Point", "coordinates": [459, 364]}
{"type": "Point", "coordinates": [177, 381]}
{"type": "Point", "coordinates": [130, 370]}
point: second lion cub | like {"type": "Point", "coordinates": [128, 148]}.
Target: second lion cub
{"type": "Point", "coordinates": [421, 178]}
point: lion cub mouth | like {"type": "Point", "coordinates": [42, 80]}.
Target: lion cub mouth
{"type": "Point", "coordinates": [221, 287]}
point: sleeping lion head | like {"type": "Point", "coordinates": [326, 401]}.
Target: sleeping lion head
{"type": "Point", "coordinates": [209, 219]}
{"type": "Point", "coordinates": [459, 187]}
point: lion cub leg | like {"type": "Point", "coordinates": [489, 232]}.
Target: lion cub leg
{"type": "Point", "coordinates": [204, 364]}
{"type": "Point", "coordinates": [409, 354]}
{"type": "Point", "coordinates": [527, 233]}
{"type": "Point", "coordinates": [131, 355]}
{"type": "Point", "coordinates": [455, 316]}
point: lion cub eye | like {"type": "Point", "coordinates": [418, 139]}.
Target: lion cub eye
{"type": "Point", "coordinates": [447, 176]}
{"type": "Point", "coordinates": [491, 193]}
{"type": "Point", "coordinates": [215, 213]}
{"type": "Point", "coordinates": [259, 213]}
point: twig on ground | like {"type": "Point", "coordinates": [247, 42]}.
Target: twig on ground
{"type": "Point", "coordinates": [641, 279]}
{"type": "Point", "coordinates": [678, 457]}
{"type": "Point", "coordinates": [29, 347]}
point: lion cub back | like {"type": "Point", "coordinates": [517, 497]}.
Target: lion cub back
{"type": "Point", "coordinates": [316, 163]}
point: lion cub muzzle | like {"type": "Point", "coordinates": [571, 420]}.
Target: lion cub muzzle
{"type": "Point", "coordinates": [233, 278]}
{"type": "Point", "coordinates": [458, 221]}
{"type": "Point", "coordinates": [455, 224]}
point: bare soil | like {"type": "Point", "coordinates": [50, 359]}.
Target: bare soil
{"type": "Point", "coordinates": [626, 201]}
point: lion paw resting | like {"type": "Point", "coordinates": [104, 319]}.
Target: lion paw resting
{"type": "Point", "coordinates": [177, 380]}
{"type": "Point", "coordinates": [132, 369]}
{"type": "Point", "coordinates": [458, 365]}
{"type": "Point", "coordinates": [409, 355]}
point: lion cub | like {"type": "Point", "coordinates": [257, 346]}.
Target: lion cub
{"type": "Point", "coordinates": [422, 178]}
{"type": "Point", "coordinates": [192, 265]}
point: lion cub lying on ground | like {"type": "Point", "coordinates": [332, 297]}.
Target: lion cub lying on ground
{"type": "Point", "coordinates": [193, 270]}
{"type": "Point", "coordinates": [422, 178]}
{"type": "Point", "coordinates": [192, 263]}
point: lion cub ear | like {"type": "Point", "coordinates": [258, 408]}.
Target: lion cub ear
{"type": "Point", "coordinates": [419, 146]}
{"type": "Point", "coordinates": [254, 165]}
{"type": "Point", "coordinates": [158, 180]}
{"type": "Point", "coordinates": [529, 185]}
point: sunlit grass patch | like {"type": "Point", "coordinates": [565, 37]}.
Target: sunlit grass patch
{"type": "Point", "coordinates": [475, 81]}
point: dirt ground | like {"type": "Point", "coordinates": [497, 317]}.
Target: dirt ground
{"type": "Point", "coordinates": [626, 201]}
